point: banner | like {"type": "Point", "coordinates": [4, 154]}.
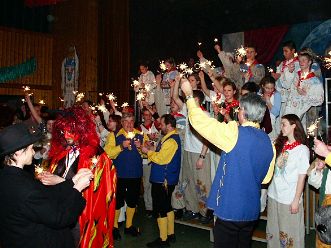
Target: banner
{"type": "Point", "coordinates": [18, 71]}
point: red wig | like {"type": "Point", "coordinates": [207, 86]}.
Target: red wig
{"type": "Point", "coordinates": [76, 121]}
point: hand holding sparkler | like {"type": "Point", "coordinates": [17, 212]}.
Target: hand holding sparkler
{"type": "Point", "coordinates": [129, 138]}
{"type": "Point", "coordinates": [320, 148]}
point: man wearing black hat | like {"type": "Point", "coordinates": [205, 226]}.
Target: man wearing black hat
{"type": "Point", "coordinates": [31, 214]}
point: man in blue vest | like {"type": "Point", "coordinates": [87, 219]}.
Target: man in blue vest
{"type": "Point", "coordinates": [247, 161]}
{"type": "Point", "coordinates": [124, 148]}
{"type": "Point", "coordinates": [165, 162]}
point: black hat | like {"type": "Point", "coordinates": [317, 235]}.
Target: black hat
{"type": "Point", "coordinates": [323, 223]}
{"type": "Point", "coordinates": [16, 137]}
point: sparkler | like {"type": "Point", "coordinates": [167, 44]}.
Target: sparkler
{"type": "Point", "coordinates": [295, 55]}
{"type": "Point", "coordinates": [199, 44]}
{"type": "Point", "coordinates": [240, 51]}
{"type": "Point", "coordinates": [312, 130]}
{"type": "Point", "coordinates": [140, 96]}
{"type": "Point", "coordinates": [183, 66]}
{"type": "Point", "coordinates": [38, 169]}
{"type": "Point", "coordinates": [111, 97]}
{"type": "Point", "coordinates": [130, 136]}
{"type": "Point", "coordinates": [125, 104]}
{"type": "Point", "coordinates": [135, 83]}
{"type": "Point", "coordinates": [42, 102]}
{"type": "Point", "coordinates": [163, 67]}
{"type": "Point", "coordinates": [148, 87]}
{"type": "Point", "coordinates": [215, 40]}
{"type": "Point", "coordinates": [61, 100]}
{"type": "Point", "coordinates": [102, 108]}
{"type": "Point", "coordinates": [26, 89]}
{"type": "Point", "coordinates": [270, 69]}
{"type": "Point", "coordinates": [79, 97]}
{"type": "Point", "coordinates": [94, 161]}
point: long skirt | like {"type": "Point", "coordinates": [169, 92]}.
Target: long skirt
{"type": "Point", "coordinates": [285, 230]}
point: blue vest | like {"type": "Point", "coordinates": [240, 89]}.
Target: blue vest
{"type": "Point", "coordinates": [169, 171]}
{"type": "Point", "coordinates": [235, 192]}
{"type": "Point", "coordinates": [129, 162]}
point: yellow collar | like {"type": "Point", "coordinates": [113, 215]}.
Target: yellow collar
{"type": "Point", "coordinates": [250, 124]}
{"type": "Point", "coordinates": [122, 131]}
{"type": "Point", "coordinates": [168, 135]}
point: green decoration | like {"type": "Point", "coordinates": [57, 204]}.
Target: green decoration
{"type": "Point", "coordinates": [17, 71]}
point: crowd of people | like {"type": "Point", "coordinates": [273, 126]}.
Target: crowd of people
{"type": "Point", "coordinates": [218, 145]}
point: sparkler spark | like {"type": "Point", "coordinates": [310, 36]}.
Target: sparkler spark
{"type": "Point", "coordinates": [135, 83]}
{"type": "Point", "coordinates": [270, 69]}
{"type": "Point", "coordinates": [42, 102]}
{"type": "Point", "coordinates": [140, 96]}
{"type": "Point", "coordinates": [163, 67]}
{"type": "Point", "coordinates": [79, 97]}
{"type": "Point", "coordinates": [240, 52]}
{"type": "Point", "coordinates": [61, 100]}
{"type": "Point", "coordinates": [215, 40]}
{"type": "Point", "coordinates": [313, 127]}
{"type": "Point", "coordinates": [199, 43]}
{"type": "Point", "coordinates": [130, 135]}
{"type": "Point", "coordinates": [26, 88]}
{"type": "Point", "coordinates": [111, 97]}
{"type": "Point", "coordinates": [102, 108]}
{"type": "Point", "coordinates": [125, 104]}
{"type": "Point", "coordinates": [183, 66]}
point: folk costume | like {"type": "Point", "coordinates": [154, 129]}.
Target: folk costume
{"type": "Point", "coordinates": [235, 192]}
{"type": "Point", "coordinates": [165, 162]}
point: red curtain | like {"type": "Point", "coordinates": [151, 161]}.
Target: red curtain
{"type": "Point", "coordinates": [36, 3]}
{"type": "Point", "coordinates": [266, 41]}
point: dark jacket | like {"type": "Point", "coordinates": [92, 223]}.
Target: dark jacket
{"type": "Point", "coordinates": [33, 215]}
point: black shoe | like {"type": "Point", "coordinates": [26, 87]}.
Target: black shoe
{"type": "Point", "coordinates": [172, 238]}
{"type": "Point", "coordinates": [116, 234]}
{"type": "Point", "coordinates": [179, 214]}
{"type": "Point", "coordinates": [205, 220]}
{"type": "Point", "coordinates": [189, 215]}
{"type": "Point", "coordinates": [132, 230]}
{"type": "Point", "coordinates": [158, 243]}
{"type": "Point", "coordinates": [149, 213]}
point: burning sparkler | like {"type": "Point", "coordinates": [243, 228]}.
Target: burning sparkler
{"type": "Point", "coordinates": [270, 69]}
{"type": "Point", "coordinates": [140, 96]}
{"type": "Point", "coordinates": [163, 67]}
{"type": "Point", "coordinates": [312, 130]}
{"type": "Point", "coordinates": [42, 102]}
{"type": "Point", "coordinates": [79, 97]}
{"type": "Point", "coordinates": [215, 40]}
{"type": "Point", "coordinates": [240, 52]}
{"type": "Point", "coordinates": [130, 136]}
{"type": "Point", "coordinates": [111, 97]}
{"type": "Point", "coordinates": [135, 83]}
{"type": "Point", "coordinates": [102, 108]}
{"type": "Point", "coordinates": [94, 161]}
{"type": "Point", "coordinates": [125, 104]}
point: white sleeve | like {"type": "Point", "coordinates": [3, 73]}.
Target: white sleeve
{"type": "Point", "coordinates": [315, 178]}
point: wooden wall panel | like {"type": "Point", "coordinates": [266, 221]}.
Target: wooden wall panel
{"type": "Point", "coordinates": [77, 24]}
{"type": "Point", "coordinates": [17, 46]}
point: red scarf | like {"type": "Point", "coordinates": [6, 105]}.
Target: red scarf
{"type": "Point", "coordinates": [288, 146]}
{"type": "Point", "coordinates": [285, 64]}
{"type": "Point", "coordinates": [308, 76]}
{"type": "Point", "coordinates": [250, 70]}
{"type": "Point", "coordinates": [231, 105]}
{"type": "Point", "coordinates": [177, 114]}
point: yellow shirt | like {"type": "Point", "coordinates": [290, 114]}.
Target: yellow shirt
{"type": "Point", "coordinates": [114, 150]}
{"type": "Point", "coordinates": [328, 159]}
{"type": "Point", "coordinates": [167, 151]}
{"type": "Point", "coordinates": [223, 135]}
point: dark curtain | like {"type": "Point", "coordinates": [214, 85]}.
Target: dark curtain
{"type": "Point", "coordinates": [266, 41]}
{"type": "Point", "coordinates": [114, 49]}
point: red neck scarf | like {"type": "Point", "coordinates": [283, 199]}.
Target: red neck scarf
{"type": "Point", "coordinates": [230, 105]}
{"type": "Point", "coordinates": [288, 146]}
{"type": "Point", "coordinates": [286, 63]}
{"type": "Point", "coordinates": [302, 78]}
{"type": "Point", "coordinates": [250, 68]}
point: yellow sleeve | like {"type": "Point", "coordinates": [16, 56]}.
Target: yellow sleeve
{"type": "Point", "coordinates": [328, 159]}
{"type": "Point", "coordinates": [165, 155]}
{"type": "Point", "coordinates": [270, 172]}
{"type": "Point", "coordinates": [222, 135]}
{"type": "Point", "coordinates": [110, 148]}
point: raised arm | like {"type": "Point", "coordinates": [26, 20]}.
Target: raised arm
{"type": "Point", "coordinates": [32, 110]}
